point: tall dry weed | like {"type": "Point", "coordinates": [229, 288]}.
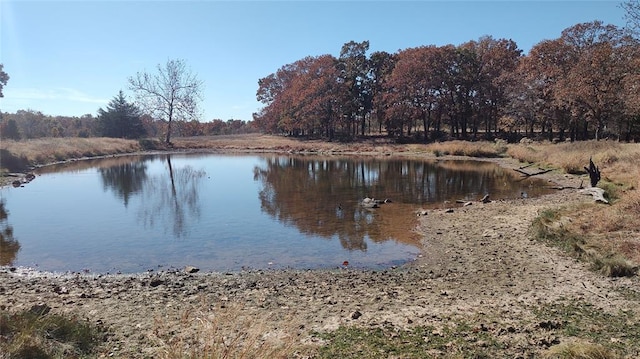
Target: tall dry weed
{"type": "Point", "coordinates": [225, 331]}
{"type": "Point", "coordinates": [466, 148]}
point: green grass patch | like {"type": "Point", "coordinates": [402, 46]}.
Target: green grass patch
{"type": "Point", "coordinates": [418, 342]}
{"type": "Point", "coordinates": [614, 191]}
{"type": "Point", "coordinates": [36, 333]}
{"type": "Point", "coordinates": [615, 334]}
{"type": "Point", "coordinates": [549, 228]}
{"type": "Point", "coordinates": [565, 329]}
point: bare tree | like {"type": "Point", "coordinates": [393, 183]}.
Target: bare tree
{"type": "Point", "coordinates": [172, 93]}
{"type": "Point", "coordinates": [632, 8]}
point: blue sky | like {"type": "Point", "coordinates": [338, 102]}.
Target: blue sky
{"type": "Point", "coordinates": [72, 57]}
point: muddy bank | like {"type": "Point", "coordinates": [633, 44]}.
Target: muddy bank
{"type": "Point", "coordinates": [480, 265]}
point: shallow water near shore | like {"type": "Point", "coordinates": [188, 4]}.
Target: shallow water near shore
{"type": "Point", "coordinates": [229, 212]}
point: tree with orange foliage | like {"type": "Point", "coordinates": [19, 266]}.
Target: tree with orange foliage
{"type": "Point", "coordinates": [415, 88]}
{"type": "Point", "coordinates": [593, 86]}
{"type": "Point", "coordinates": [533, 91]}
{"type": "Point", "coordinates": [303, 98]}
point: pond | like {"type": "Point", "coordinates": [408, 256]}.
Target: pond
{"type": "Point", "coordinates": [232, 212]}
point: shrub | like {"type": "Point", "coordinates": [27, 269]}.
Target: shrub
{"type": "Point", "coordinates": [38, 334]}
{"type": "Point", "coordinates": [614, 266]}
{"type": "Point", "coordinates": [579, 351]}
{"type": "Point", "coordinates": [13, 163]}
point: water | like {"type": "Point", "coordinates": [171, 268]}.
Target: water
{"type": "Point", "coordinates": [229, 212]}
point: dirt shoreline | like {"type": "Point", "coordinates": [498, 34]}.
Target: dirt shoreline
{"type": "Point", "coordinates": [480, 265]}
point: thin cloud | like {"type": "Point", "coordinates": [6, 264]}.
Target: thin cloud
{"type": "Point", "coordinates": [60, 94]}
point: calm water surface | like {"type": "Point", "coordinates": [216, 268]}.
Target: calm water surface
{"type": "Point", "coordinates": [228, 212]}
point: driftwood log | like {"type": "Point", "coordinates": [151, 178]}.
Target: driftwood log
{"type": "Point", "coordinates": [596, 192]}
{"type": "Point", "coordinates": [465, 202]}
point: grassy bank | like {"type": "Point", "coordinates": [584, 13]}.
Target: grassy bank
{"type": "Point", "coordinates": [17, 156]}
{"type": "Point", "coordinates": [607, 236]}
{"type": "Point", "coordinates": [619, 162]}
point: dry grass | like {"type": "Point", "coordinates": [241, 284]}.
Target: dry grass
{"type": "Point", "coordinates": [609, 253]}
{"type": "Point", "coordinates": [579, 350]}
{"type": "Point", "coordinates": [258, 142]}
{"type": "Point", "coordinates": [47, 150]}
{"type": "Point", "coordinates": [225, 331]}
{"type": "Point", "coordinates": [466, 148]}
{"type": "Point", "coordinates": [618, 162]}
{"type": "Point", "coordinates": [36, 333]}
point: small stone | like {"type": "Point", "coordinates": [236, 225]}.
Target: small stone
{"type": "Point", "coordinates": [191, 269]}
{"type": "Point", "coordinates": [156, 282]}
{"type": "Point", "coordinates": [356, 315]}
{"type": "Point", "coordinates": [60, 290]}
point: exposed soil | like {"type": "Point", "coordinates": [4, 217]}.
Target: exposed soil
{"type": "Point", "coordinates": [480, 264]}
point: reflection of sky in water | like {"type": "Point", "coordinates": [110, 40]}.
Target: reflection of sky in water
{"type": "Point", "coordinates": [218, 213]}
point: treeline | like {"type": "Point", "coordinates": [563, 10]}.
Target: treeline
{"type": "Point", "coordinates": [28, 124]}
{"type": "Point", "coordinates": [580, 86]}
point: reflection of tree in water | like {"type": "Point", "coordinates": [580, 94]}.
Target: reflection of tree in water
{"type": "Point", "coordinates": [124, 179]}
{"type": "Point", "coordinates": [317, 197]}
{"type": "Point", "coordinates": [166, 200]}
{"type": "Point", "coordinates": [322, 196]}
{"type": "Point", "coordinates": [171, 199]}
{"type": "Point", "coordinates": [9, 246]}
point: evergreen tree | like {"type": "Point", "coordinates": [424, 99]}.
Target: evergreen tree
{"type": "Point", "coordinates": [3, 79]}
{"type": "Point", "coordinates": [121, 119]}
{"type": "Point", "coordinates": [9, 129]}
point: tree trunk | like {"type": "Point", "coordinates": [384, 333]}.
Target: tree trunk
{"type": "Point", "coordinates": [168, 140]}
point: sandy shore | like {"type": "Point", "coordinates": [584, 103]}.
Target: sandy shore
{"type": "Point", "coordinates": [480, 265]}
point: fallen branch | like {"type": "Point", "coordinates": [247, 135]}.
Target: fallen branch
{"type": "Point", "coordinates": [526, 174]}
{"type": "Point", "coordinates": [568, 187]}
